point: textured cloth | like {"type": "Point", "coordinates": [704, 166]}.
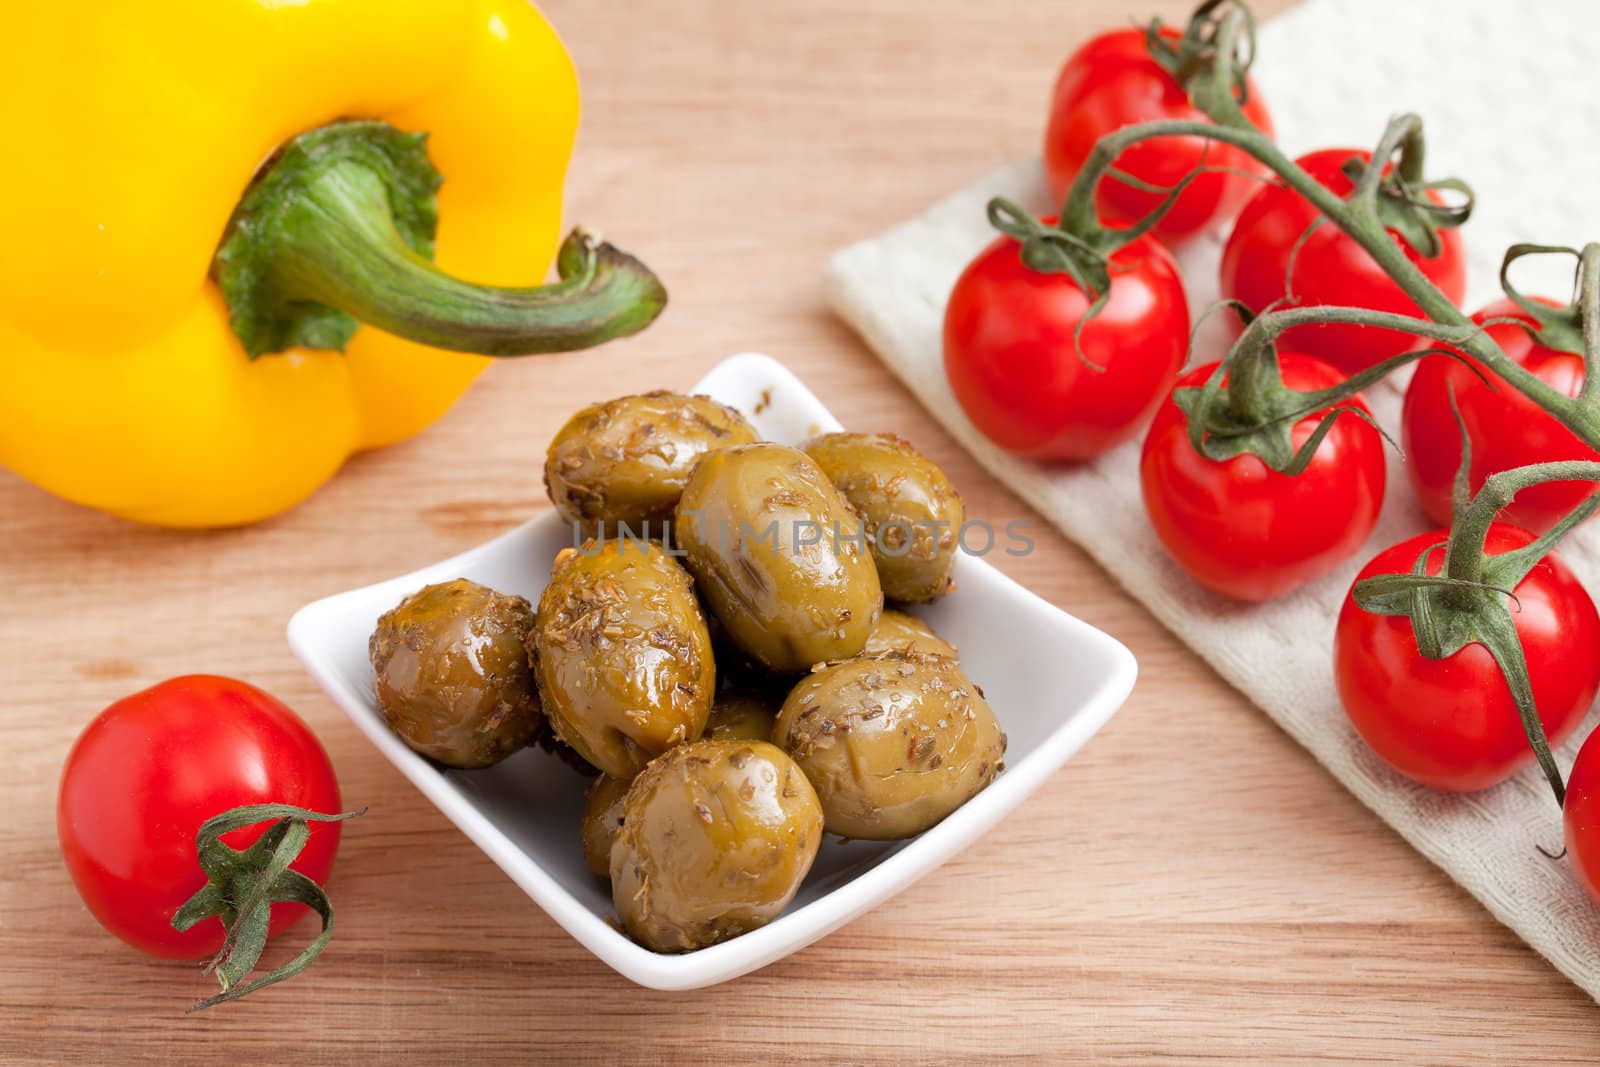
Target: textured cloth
{"type": "Point", "coordinates": [1510, 95]}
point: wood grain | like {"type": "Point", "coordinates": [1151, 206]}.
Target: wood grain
{"type": "Point", "coordinates": [1192, 886]}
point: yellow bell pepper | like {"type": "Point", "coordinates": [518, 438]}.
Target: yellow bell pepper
{"type": "Point", "coordinates": [193, 224]}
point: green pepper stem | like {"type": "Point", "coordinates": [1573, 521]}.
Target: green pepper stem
{"type": "Point", "coordinates": [348, 255]}
{"type": "Point", "coordinates": [339, 230]}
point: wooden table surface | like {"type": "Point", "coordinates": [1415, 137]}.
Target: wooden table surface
{"type": "Point", "coordinates": [1192, 885]}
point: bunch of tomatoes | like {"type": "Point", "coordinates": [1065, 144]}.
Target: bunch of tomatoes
{"type": "Point", "coordinates": [1047, 368]}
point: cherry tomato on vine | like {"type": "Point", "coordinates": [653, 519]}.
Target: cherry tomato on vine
{"type": "Point", "coordinates": [1011, 360]}
{"type": "Point", "coordinates": [1581, 815]}
{"type": "Point", "coordinates": [1505, 428]}
{"type": "Point", "coordinates": [1452, 723]}
{"type": "Point", "coordinates": [1330, 268]}
{"type": "Point", "coordinates": [152, 767]}
{"type": "Point", "coordinates": [1247, 531]}
{"type": "Point", "coordinates": [1112, 82]}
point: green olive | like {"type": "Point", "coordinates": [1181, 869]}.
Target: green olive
{"type": "Point", "coordinates": [892, 744]}
{"type": "Point", "coordinates": [912, 513]}
{"type": "Point", "coordinates": [626, 461]}
{"type": "Point", "coordinates": [899, 631]}
{"type": "Point", "coordinates": [741, 713]}
{"type": "Point", "coordinates": [778, 556]}
{"type": "Point", "coordinates": [452, 673]}
{"type": "Point", "coordinates": [622, 654]}
{"type": "Point", "coordinates": [716, 838]}
{"type": "Point", "coordinates": [602, 821]}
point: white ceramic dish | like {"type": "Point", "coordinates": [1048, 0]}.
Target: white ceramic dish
{"type": "Point", "coordinates": [1052, 680]}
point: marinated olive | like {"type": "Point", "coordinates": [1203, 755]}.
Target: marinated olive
{"type": "Point", "coordinates": [626, 461]}
{"type": "Point", "coordinates": [716, 838]}
{"type": "Point", "coordinates": [778, 556]}
{"type": "Point", "coordinates": [912, 513]}
{"type": "Point", "coordinates": [602, 820]}
{"type": "Point", "coordinates": [622, 654]}
{"type": "Point", "coordinates": [453, 677]}
{"type": "Point", "coordinates": [741, 713]}
{"type": "Point", "coordinates": [898, 631]}
{"type": "Point", "coordinates": [892, 744]}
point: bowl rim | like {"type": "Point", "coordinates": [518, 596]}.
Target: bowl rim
{"type": "Point", "coordinates": [795, 928]}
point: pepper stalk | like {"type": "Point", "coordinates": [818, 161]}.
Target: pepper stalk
{"type": "Point", "coordinates": [338, 230]}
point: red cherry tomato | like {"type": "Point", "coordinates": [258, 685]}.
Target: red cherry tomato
{"type": "Point", "coordinates": [150, 769]}
{"type": "Point", "coordinates": [1505, 428]}
{"type": "Point", "coordinates": [1247, 531]}
{"type": "Point", "coordinates": [1112, 82]}
{"type": "Point", "coordinates": [1582, 816]}
{"type": "Point", "coordinates": [1451, 723]}
{"type": "Point", "coordinates": [1010, 357]}
{"type": "Point", "coordinates": [1329, 268]}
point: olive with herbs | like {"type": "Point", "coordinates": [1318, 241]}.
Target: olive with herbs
{"type": "Point", "coordinates": [741, 713]}
{"type": "Point", "coordinates": [626, 461]}
{"type": "Point", "coordinates": [911, 512]}
{"type": "Point", "coordinates": [452, 673]}
{"type": "Point", "coordinates": [622, 654]}
{"type": "Point", "coordinates": [602, 821]}
{"type": "Point", "coordinates": [899, 631]}
{"type": "Point", "coordinates": [892, 744]}
{"type": "Point", "coordinates": [778, 556]}
{"type": "Point", "coordinates": [716, 838]}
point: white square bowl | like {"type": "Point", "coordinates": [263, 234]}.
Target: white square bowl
{"type": "Point", "coordinates": [1052, 680]}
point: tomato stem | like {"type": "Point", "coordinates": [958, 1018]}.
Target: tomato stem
{"type": "Point", "coordinates": [1589, 317]}
{"type": "Point", "coordinates": [242, 886]}
{"type": "Point", "coordinates": [1557, 327]}
{"type": "Point", "coordinates": [1470, 526]}
{"type": "Point", "coordinates": [1468, 601]}
{"type": "Point", "coordinates": [1213, 92]}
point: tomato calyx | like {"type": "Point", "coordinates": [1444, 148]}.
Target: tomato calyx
{"type": "Point", "coordinates": [1401, 196]}
{"type": "Point", "coordinates": [1211, 60]}
{"type": "Point", "coordinates": [1209, 53]}
{"type": "Point", "coordinates": [1470, 600]}
{"type": "Point", "coordinates": [1254, 412]}
{"type": "Point", "coordinates": [1222, 426]}
{"type": "Point", "coordinates": [1559, 326]}
{"type": "Point", "coordinates": [242, 885]}
{"type": "Point", "coordinates": [1054, 250]}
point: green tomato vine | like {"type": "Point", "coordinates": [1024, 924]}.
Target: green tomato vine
{"type": "Point", "coordinates": [1471, 600]}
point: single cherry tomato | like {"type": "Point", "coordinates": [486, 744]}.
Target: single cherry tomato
{"type": "Point", "coordinates": [1451, 723]}
{"type": "Point", "coordinates": [1582, 816]}
{"type": "Point", "coordinates": [1112, 82]}
{"type": "Point", "coordinates": [1329, 268]}
{"type": "Point", "coordinates": [1012, 362]}
{"type": "Point", "coordinates": [150, 769]}
{"type": "Point", "coordinates": [1247, 531]}
{"type": "Point", "coordinates": [1505, 428]}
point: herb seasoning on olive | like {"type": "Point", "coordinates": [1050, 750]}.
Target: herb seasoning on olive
{"type": "Point", "coordinates": [622, 654]}
{"type": "Point", "coordinates": [452, 673]}
{"type": "Point", "coordinates": [626, 461]}
{"type": "Point", "coordinates": [778, 556]}
{"type": "Point", "coordinates": [741, 713]}
{"type": "Point", "coordinates": [912, 513]}
{"type": "Point", "coordinates": [899, 631]}
{"type": "Point", "coordinates": [893, 744]}
{"type": "Point", "coordinates": [716, 838]}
